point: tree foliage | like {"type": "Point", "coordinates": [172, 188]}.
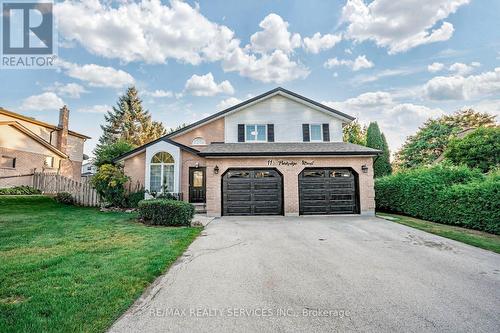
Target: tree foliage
{"type": "Point", "coordinates": [375, 139]}
{"type": "Point", "coordinates": [128, 121]}
{"type": "Point", "coordinates": [354, 133]}
{"type": "Point", "coordinates": [433, 136]}
{"type": "Point", "coordinates": [109, 182]}
{"type": "Point", "coordinates": [479, 149]}
{"type": "Point", "coordinates": [106, 154]}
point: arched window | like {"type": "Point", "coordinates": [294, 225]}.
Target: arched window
{"type": "Point", "coordinates": [199, 141]}
{"type": "Point", "coordinates": [162, 173]}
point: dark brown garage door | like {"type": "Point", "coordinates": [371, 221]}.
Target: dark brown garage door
{"type": "Point", "coordinates": [252, 192]}
{"type": "Point", "coordinates": [328, 191]}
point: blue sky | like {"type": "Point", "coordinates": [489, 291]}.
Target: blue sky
{"type": "Point", "coordinates": [397, 63]}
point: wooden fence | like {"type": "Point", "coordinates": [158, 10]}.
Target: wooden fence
{"type": "Point", "coordinates": [52, 183]}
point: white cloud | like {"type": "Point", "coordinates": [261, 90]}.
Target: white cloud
{"type": "Point", "coordinates": [101, 108]}
{"type": "Point", "coordinates": [205, 85]}
{"type": "Point", "coordinates": [72, 90]}
{"type": "Point", "coordinates": [491, 106]}
{"type": "Point", "coordinates": [228, 102]}
{"type": "Point", "coordinates": [276, 67]}
{"type": "Point", "coordinates": [365, 100]}
{"type": "Point", "coordinates": [158, 93]}
{"type": "Point", "coordinates": [317, 43]}
{"type": "Point", "coordinates": [274, 36]}
{"type": "Point", "coordinates": [45, 101]}
{"type": "Point", "coordinates": [435, 67]}
{"type": "Point", "coordinates": [399, 25]}
{"type": "Point", "coordinates": [145, 31]}
{"type": "Point", "coordinates": [152, 32]}
{"type": "Point", "coordinates": [359, 63]}
{"type": "Point", "coordinates": [463, 69]}
{"type": "Point", "coordinates": [359, 79]}
{"type": "Point", "coordinates": [463, 87]}
{"type": "Point", "coordinates": [396, 119]}
{"type": "Point", "coordinates": [97, 76]}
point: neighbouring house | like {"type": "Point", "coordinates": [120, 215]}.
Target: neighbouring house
{"type": "Point", "coordinates": [275, 154]}
{"type": "Point", "coordinates": [28, 145]}
{"type": "Point", "coordinates": [88, 169]}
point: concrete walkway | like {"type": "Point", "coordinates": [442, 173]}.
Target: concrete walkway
{"type": "Point", "coordinates": [321, 274]}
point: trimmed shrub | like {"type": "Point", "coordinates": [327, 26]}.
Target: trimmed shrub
{"type": "Point", "coordinates": [166, 212]}
{"type": "Point", "coordinates": [444, 194]}
{"type": "Point", "coordinates": [133, 199]}
{"type": "Point", "coordinates": [19, 190]}
{"type": "Point", "coordinates": [64, 198]}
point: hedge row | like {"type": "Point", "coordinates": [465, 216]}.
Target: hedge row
{"type": "Point", "coordinates": [19, 190]}
{"type": "Point", "coordinates": [166, 212]}
{"type": "Point", "coordinates": [444, 194]}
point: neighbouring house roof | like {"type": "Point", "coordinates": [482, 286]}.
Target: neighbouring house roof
{"type": "Point", "coordinates": [142, 148]}
{"type": "Point", "coordinates": [286, 149]}
{"type": "Point", "coordinates": [34, 136]}
{"type": "Point", "coordinates": [459, 135]}
{"type": "Point", "coordinates": [38, 122]}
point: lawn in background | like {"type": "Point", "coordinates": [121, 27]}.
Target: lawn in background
{"type": "Point", "coordinates": [74, 269]}
{"type": "Point", "coordinates": [476, 238]}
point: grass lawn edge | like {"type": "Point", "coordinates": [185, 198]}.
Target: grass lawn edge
{"type": "Point", "coordinates": [480, 239]}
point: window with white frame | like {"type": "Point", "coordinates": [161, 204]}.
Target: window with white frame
{"type": "Point", "coordinates": [199, 141]}
{"type": "Point", "coordinates": [162, 173]}
{"type": "Point", "coordinates": [316, 132]}
{"type": "Point", "coordinates": [255, 133]}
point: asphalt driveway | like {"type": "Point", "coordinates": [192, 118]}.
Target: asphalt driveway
{"type": "Point", "coordinates": [321, 274]}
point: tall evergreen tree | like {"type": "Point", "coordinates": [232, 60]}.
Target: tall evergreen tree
{"type": "Point", "coordinates": [386, 158]}
{"type": "Point", "coordinates": [129, 122]}
{"type": "Point", "coordinates": [375, 139]}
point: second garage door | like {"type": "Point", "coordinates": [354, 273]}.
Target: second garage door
{"type": "Point", "coordinates": [328, 191]}
{"type": "Point", "coordinates": [252, 192]}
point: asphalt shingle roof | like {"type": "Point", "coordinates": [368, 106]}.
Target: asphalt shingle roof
{"type": "Point", "coordinates": [286, 148]}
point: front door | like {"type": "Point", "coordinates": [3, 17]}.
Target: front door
{"type": "Point", "coordinates": [197, 185]}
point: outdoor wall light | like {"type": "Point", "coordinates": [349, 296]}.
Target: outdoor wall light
{"type": "Point", "coordinates": [216, 169]}
{"type": "Point", "coordinates": [364, 168]}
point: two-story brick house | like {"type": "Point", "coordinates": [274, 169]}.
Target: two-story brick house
{"type": "Point", "coordinates": [274, 154]}
{"type": "Point", "coordinates": [28, 145]}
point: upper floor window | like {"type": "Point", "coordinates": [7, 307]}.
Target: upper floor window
{"type": "Point", "coordinates": [7, 162]}
{"type": "Point", "coordinates": [255, 133]}
{"type": "Point", "coordinates": [316, 132]}
{"type": "Point", "coordinates": [199, 141]}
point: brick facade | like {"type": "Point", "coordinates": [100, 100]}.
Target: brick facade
{"type": "Point", "coordinates": [134, 167]}
{"type": "Point", "coordinates": [210, 132]}
{"type": "Point", "coordinates": [290, 179]}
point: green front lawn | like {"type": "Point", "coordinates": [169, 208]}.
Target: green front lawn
{"type": "Point", "coordinates": [73, 269]}
{"type": "Point", "coordinates": [476, 238]}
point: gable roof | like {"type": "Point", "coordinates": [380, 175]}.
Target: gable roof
{"type": "Point", "coordinates": [235, 108]}
{"type": "Point", "coordinates": [270, 93]}
{"type": "Point", "coordinates": [140, 149]}
{"type": "Point", "coordinates": [35, 137]}
{"type": "Point", "coordinates": [38, 122]}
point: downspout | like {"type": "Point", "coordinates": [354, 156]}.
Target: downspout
{"type": "Point", "coordinates": [50, 137]}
